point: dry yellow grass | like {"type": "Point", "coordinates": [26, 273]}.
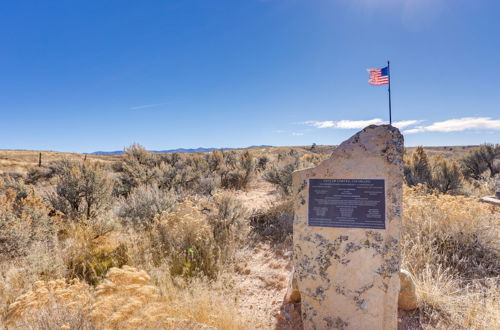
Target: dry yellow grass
{"type": "Point", "coordinates": [451, 245]}
{"type": "Point", "coordinates": [73, 297]}
{"type": "Point", "coordinates": [19, 161]}
{"type": "Point", "coordinates": [126, 299]}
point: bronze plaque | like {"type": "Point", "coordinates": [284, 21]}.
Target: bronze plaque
{"type": "Point", "coordinates": [347, 203]}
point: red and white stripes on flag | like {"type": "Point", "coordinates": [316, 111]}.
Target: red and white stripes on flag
{"type": "Point", "coordinates": [379, 77]}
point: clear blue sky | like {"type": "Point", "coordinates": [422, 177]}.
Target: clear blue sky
{"type": "Point", "coordinates": [99, 75]}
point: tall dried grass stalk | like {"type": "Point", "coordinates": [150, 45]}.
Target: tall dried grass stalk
{"type": "Point", "coordinates": [126, 299]}
{"type": "Point", "coordinates": [451, 245]}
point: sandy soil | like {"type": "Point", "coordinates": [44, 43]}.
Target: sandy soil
{"type": "Point", "coordinates": [259, 194]}
{"type": "Point", "coordinates": [263, 272]}
{"type": "Point", "coordinates": [261, 282]}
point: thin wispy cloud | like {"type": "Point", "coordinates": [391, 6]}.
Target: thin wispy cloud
{"type": "Point", "coordinates": [405, 123]}
{"type": "Point", "coordinates": [458, 125]}
{"type": "Point", "coordinates": [148, 106]}
{"type": "Point", "coordinates": [297, 133]}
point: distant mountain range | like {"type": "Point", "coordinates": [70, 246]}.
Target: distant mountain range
{"type": "Point", "coordinates": [119, 152]}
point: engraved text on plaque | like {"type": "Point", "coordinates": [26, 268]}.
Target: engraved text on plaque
{"type": "Point", "coordinates": [348, 203]}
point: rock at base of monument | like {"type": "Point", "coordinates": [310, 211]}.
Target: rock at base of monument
{"type": "Point", "coordinates": [407, 293]}
{"type": "Point", "coordinates": [292, 292]}
{"type": "Point", "coordinates": [491, 200]}
{"type": "Point", "coordinates": [289, 317]}
{"type": "Point", "coordinates": [290, 313]}
{"type": "Point", "coordinates": [407, 299]}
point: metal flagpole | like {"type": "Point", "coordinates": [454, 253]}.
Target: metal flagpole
{"type": "Point", "coordinates": [389, 73]}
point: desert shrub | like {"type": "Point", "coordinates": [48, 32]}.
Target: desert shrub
{"type": "Point", "coordinates": [473, 165]}
{"type": "Point", "coordinates": [185, 174]}
{"type": "Point", "coordinates": [230, 158]}
{"type": "Point", "coordinates": [83, 190]}
{"type": "Point", "coordinates": [417, 169]}
{"type": "Point", "coordinates": [39, 173]}
{"type": "Point", "coordinates": [281, 176]}
{"type": "Point", "coordinates": [234, 179]}
{"type": "Point", "coordinates": [247, 164]}
{"type": "Point", "coordinates": [185, 178]}
{"type": "Point", "coordinates": [274, 223]}
{"type": "Point", "coordinates": [169, 158]}
{"type": "Point", "coordinates": [23, 222]}
{"type": "Point", "coordinates": [185, 238]}
{"type": "Point", "coordinates": [91, 249]}
{"type": "Point", "coordinates": [10, 175]}
{"type": "Point", "coordinates": [228, 219]}
{"type": "Point", "coordinates": [262, 163]}
{"type": "Point", "coordinates": [139, 167]}
{"type": "Point", "coordinates": [215, 161]}
{"type": "Point", "coordinates": [17, 186]}
{"type": "Point", "coordinates": [446, 176]}
{"type": "Point", "coordinates": [483, 186]}
{"type": "Point", "coordinates": [207, 186]}
{"type": "Point", "coordinates": [237, 174]}
{"type": "Point", "coordinates": [167, 176]}
{"type": "Point", "coordinates": [197, 242]}
{"type": "Point", "coordinates": [436, 173]}
{"type": "Point", "coordinates": [143, 203]}
{"type": "Point", "coordinates": [486, 157]}
{"type": "Point", "coordinates": [309, 160]}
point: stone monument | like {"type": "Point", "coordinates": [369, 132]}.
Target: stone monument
{"type": "Point", "coordinates": [346, 233]}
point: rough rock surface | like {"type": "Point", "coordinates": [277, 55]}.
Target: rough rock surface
{"type": "Point", "coordinates": [407, 293]}
{"type": "Point", "coordinates": [349, 277]}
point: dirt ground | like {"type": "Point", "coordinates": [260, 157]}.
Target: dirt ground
{"type": "Point", "coordinates": [264, 270]}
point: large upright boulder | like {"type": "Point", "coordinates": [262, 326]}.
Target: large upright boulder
{"type": "Point", "coordinates": [346, 233]}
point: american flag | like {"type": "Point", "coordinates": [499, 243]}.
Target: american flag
{"type": "Point", "coordinates": [379, 77]}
